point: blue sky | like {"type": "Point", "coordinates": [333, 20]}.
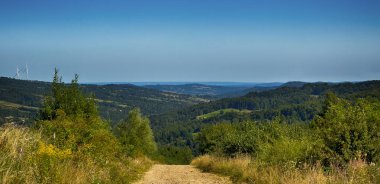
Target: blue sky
{"type": "Point", "coordinates": [192, 40]}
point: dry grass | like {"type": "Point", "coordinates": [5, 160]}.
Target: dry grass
{"type": "Point", "coordinates": [15, 146]}
{"type": "Point", "coordinates": [22, 161]}
{"type": "Point", "coordinates": [244, 169]}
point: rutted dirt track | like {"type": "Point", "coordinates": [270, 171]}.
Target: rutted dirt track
{"type": "Point", "coordinates": [161, 174]}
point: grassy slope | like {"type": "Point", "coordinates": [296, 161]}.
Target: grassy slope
{"type": "Point", "coordinates": [223, 111]}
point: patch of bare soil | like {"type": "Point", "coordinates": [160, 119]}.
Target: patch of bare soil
{"type": "Point", "coordinates": [164, 174]}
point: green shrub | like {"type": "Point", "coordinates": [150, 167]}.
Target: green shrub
{"type": "Point", "coordinates": [173, 155]}
{"type": "Point", "coordinates": [90, 136]}
{"type": "Point", "coordinates": [273, 143]}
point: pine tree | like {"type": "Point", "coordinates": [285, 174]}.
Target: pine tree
{"type": "Point", "coordinates": [67, 100]}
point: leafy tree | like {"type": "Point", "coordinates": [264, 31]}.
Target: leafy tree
{"type": "Point", "coordinates": [135, 134]}
{"type": "Point", "coordinates": [350, 130]}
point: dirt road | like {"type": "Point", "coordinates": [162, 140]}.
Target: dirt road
{"type": "Point", "coordinates": [183, 174]}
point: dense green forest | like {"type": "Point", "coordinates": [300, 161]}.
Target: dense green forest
{"type": "Point", "coordinates": [20, 99]}
{"type": "Point", "coordinates": [298, 104]}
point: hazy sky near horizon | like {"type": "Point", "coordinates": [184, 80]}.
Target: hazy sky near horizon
{"type": "Point", "coordinates": [192, 40]}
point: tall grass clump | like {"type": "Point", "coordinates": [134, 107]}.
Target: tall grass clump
{"type": "Point", "coordinates": [17, 146]}
{"type": "Point", "coordinates": [245, 169]}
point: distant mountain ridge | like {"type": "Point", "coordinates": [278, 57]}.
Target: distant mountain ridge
{"type": "Point", "coordinates": [297, 84]}
{"type": "Point", "coordinates": [239, 84]}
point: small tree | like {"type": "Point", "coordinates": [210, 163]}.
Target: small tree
{"type": "Point", "coordinates": [67, 100]}
{"type": "Point", "coordinates": [69, 120]}
{"type": "Point", "coordinates": [135, 134]}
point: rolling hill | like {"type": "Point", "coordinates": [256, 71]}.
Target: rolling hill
{"type": "Point", "coordinates": [20, 99]}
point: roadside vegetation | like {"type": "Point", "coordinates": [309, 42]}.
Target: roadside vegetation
{"type": "Point", "coordinates": [340, 145]}
{"type": "Point", "coordinates": [70, 143]}
{"type": "Point", "coordinates": [247, 169]}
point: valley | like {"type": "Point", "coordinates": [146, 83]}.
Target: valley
{"type": "Point", "coordinates": [188, 122]}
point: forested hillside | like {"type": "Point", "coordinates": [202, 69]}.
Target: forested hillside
{"type": "Point", "coordinates": [214, 91]}
{"type": "Point", "coordinates": [20, 99]}
{"type": "Point", "coordinates": [198, 89]}
{"type": "Point", "coordinates": [290, 104]}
